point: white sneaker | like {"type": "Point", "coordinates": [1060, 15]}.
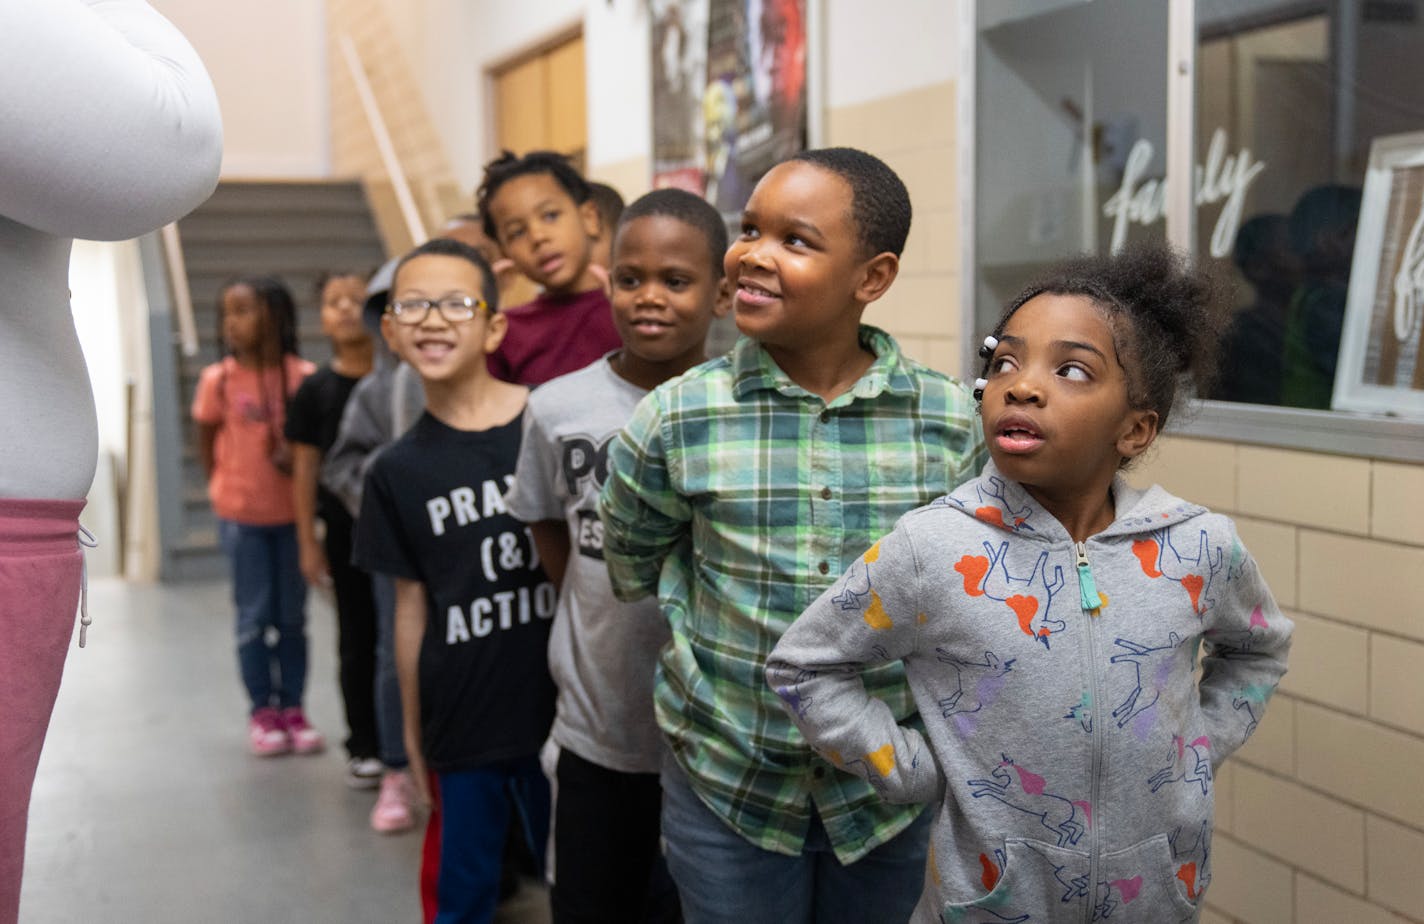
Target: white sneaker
{"type": "Point", "coordinates": [364, 772]}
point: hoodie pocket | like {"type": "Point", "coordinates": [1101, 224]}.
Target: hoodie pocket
{"type": "Point", "coordinates": [1146, 876]}
{"type": "Point", "coordinates": [1035, 881]}
{"type": "Point", "coordinates": [1039, 881]}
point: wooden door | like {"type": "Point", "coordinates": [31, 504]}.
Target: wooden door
{"type": "Point", "coordinates": [540, 102]}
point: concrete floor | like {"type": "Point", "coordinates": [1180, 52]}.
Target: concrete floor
{"type": "Point", "coordinates": [148, 808]}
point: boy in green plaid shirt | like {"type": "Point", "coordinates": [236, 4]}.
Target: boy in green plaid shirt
{"type": "Point", "coordinates": [737, 494]}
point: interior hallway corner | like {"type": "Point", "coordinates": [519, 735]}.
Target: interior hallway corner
{"type": "Point", "coordinates": [148, 808]}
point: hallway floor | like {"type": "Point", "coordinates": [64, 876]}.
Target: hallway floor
{"type": "Point", "coordinates": [148, 808]}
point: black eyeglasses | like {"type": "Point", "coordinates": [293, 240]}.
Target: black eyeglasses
{"type": "Point", "coordinates": [453, 308]}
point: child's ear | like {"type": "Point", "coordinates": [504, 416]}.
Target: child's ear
{"type": "Point", "coordinates": [388, 333]}
{"type": "Point", "coordinates": [1140, 430]}
{"type": "Point", "coordinates": [722, 301]}
{"type": "Point", "coordinates": [877, 274]}
{"type": "Point", "coordinates": [592, 220]}
{"type": "Point", "coordinates": [496, 326]}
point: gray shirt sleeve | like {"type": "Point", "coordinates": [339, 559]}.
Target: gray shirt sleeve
{"type": "Point", "coordinates": [365, 427]}
{"type": "Point", "coordinates": [866, 619]}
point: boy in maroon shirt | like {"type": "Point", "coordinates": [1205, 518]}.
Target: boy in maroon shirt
{"type": "Point", "coordinates": [539, 210]}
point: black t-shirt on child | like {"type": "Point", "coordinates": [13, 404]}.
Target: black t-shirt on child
{"type": "Point", "coordinates": [313, 417]}
{"type": "Point", "coordinates": [433, 511]}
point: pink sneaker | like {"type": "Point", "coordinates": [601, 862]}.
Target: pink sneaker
{"type": "Point", "coordinates": [266, 736]}
{"type": "Point", "coordinates": [305, 739]}
{"type": "Point", "coordinates": [394, 811]}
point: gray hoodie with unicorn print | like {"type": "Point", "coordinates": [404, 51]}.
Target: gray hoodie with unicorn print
{"type": "Point", "coordinates": [1067, 743]}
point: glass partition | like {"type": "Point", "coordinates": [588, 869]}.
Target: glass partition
{"type": "Point", "coordinates": [1308, 188]}
{"type": "Point", "coordinates": [1071, 108]}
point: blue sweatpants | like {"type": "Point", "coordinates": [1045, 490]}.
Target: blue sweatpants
{"type": "Point", "coordinates": [474, 808]}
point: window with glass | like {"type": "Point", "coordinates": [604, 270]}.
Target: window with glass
{"type": "Point", "coordinates": [1308, 188]}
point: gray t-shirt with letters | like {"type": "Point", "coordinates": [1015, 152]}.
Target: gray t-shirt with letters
{"type": "Point", "coordinates": [602, 652]}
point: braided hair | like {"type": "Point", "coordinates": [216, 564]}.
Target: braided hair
{"type": "Point", "coordinates": [281, 314]}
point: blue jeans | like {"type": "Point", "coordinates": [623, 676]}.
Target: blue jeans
{"type": "Point", "coordinates": [271, 595]}
{"type": "Point", "coordinates": [390, 726]}
{"type": "Point", "coordinates": [474, 810]}
{"type": "Point", "coordinates": [725, 879]}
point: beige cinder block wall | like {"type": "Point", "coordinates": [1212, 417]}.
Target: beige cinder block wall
{"type": "Point", "coordinates": [914, 133]}
{"type": "Point", "coordinates": [1321, 816]}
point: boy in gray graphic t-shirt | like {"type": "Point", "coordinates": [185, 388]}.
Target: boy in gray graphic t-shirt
{"type": "Point", "coordinates": [666, 277]}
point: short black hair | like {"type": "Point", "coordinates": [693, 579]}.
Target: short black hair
{"type": "Point", "coordinates": [694, 211]}
{"type": "Point", "coordinates": [281, 308]}
{"type": "Point", "coordinates": [609, 203]}
{"type": "Point", "coordinates": [1167, 317]}
{"type": "Point", "coordinates": [448, 247]}
{"type": "Point", "coordinates": [507, 166]}
{"type": "Point", "coordinates": [880, 203]}
{"type": "Point", "coordinates": [326, 276]}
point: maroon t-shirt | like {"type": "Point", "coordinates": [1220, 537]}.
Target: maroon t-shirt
{"type": "Point", "coordinates": [554, 335]}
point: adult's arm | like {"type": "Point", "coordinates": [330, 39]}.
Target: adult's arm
{"type": "Point", "coordinates": [109, 125]}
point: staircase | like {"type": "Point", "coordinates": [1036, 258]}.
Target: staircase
{"type": "Point", "coordinates": [292, 230]}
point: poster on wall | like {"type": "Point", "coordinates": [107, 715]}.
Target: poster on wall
{"type": "Point", "coordinates": [1380, 368]}
{"type": "Point", "coordinates": [729, 94]}
{"type": "Point", "coordinates": [679, 31]}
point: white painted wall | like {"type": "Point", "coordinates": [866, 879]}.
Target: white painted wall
{"type": "Point", "coordinates": [620, 74]}
{"type": "Point", "coordinates": [267, 60]}
{"type": "Point", "coordinates": [110, 314]}
{"type": "Point", "coordinates": [880, 49]}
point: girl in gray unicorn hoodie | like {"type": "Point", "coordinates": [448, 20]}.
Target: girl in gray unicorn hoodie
{"type": "Point", "coordinates": [1050, 617]}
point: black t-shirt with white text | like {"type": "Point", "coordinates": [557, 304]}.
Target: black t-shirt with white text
{"type": "Point", "coordinates": [433, 511]}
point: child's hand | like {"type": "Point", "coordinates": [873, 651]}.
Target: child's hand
{"type": "Point", "coordinates": [312, 561]}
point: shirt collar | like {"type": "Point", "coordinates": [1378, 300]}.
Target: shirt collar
{"type": "Point", "coordinates": [754, 370]}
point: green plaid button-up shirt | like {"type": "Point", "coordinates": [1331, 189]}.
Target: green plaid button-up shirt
{"type": "Point", "coordinates": [738, 497]}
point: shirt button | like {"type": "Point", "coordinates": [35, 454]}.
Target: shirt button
{"type": "Point", "coordinates": [825, 417]}
{"type": "Point", "coordinates": [819, 772]}
{"type": "Point", "coordinates": [824, 567]}
{"type": "Point", "coordinates": [825, 493]}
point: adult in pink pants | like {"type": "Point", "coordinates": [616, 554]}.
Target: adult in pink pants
{"type": "Point", "coordinates": [109, 129]}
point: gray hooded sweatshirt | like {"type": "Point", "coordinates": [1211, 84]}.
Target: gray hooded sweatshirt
{"type": "Point", "coordinates": [1068, 744]}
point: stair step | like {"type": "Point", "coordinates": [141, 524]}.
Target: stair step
{"type": "Point", "coordinates": [241, 228]}
{"type": "Point", "coordinates": [286, 197]}
{"type": "Point", "coordinates": [295, 231]}
{"type": "Point", "coordinates": [298, 267]}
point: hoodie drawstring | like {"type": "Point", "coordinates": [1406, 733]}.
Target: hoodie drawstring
{"type": "Point", "coordinates": [86, 541]}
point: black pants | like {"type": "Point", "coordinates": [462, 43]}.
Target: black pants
{"type": "Point", "coordinates": [356, 633]}
{"type": "Point", "coordinates": [608, 866]}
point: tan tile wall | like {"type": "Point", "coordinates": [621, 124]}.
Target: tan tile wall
{"type": "Point", "coordinates": [632, 177]}
{"type": "Point", "coordinates": [1321, 815]}
{"type": "Point", "coordinates": [914, 133]}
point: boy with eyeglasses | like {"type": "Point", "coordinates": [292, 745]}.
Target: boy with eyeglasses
{"type": "Point", "coordinates": [473, 607]}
